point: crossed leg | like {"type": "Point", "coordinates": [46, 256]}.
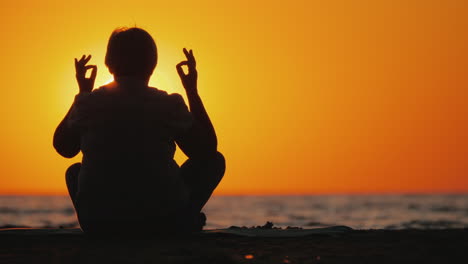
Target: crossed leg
{"type": "Point", "coordinates": [71, 178]}
{"type": "Point", "coordinates": [201, 177]}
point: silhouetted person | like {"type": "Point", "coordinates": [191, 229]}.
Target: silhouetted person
{"type": "Point", "coordinates": [127, 131]}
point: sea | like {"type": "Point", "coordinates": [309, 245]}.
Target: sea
{"type": "Point", "coordinates": [311, 211]}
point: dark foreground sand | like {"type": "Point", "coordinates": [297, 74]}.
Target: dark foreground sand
{"type": "Point", "coordinates": [370, 246]}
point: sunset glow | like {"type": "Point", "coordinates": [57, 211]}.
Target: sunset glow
{"type": "Point", "coordinates": [307, 97]}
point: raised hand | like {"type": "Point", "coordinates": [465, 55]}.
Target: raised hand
{"type": "Point", "coordinates": [189, 80]}
{"type": "Point", "coordinates": [86, 84]}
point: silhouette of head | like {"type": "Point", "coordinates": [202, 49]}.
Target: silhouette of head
{"type": "Point", "coordinates": [131, 52]}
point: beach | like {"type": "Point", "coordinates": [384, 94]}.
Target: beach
{"type": "Point", "coordinates": [381, 229]}
{"type": "Point", "coordinates": [354, 246]}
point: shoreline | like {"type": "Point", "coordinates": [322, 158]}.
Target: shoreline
{"type": "Point", "coordinates": [354, 246]}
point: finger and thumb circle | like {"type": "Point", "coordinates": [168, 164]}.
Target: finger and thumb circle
{"type": "Point", "coordinates": [180, 70]}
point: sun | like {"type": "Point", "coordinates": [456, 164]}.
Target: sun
{"type": "Point", "coordinates": [111, 79]}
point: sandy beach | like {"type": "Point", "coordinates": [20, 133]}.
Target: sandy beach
{"type": "Point", "coordinates": [356, 246]}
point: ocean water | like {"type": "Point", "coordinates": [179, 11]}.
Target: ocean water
{"type": "Point", "coordinates": [356, 211]}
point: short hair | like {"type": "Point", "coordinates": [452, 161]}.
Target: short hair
{"type": "Point", "coordinates": [131, 51]}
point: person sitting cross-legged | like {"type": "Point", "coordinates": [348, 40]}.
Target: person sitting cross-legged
{"type": "Point", "coordinates": [127, 132]}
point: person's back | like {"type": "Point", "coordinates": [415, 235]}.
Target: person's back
{"type": "Point", "coordinates": [127, 132]}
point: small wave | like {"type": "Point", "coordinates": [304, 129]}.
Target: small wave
{"type": "Point", "coordinates": [414, 206]}
{"type": "Point", "coordinates": [445, 208]}
{"type": "Point", "coordinates": [13, 226]}
{"type": "Point", "coordinates": [316, 224]}
{"type": "Point", "coordinates": [436, 208]}
{"type": "Point", "coordinates": [45, 224]}
{"type": "Point", "coordinates": [297, 217]}
{"type": "Point", "coordinates": [318, 206]}
{"type": "Point", "coordinates": [9, 210]}
{"type": "Point", "coordinates": [428, 224]}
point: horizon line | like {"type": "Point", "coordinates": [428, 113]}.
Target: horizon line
{"type": "Point", "coordinates": [383, 193]}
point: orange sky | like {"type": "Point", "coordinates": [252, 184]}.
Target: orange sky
{"type": "Point", "coordinates": [306, 96]}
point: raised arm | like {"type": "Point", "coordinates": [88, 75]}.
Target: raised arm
{"type": "Point", "coordinates": [201, 139]}
{"type": "Point", "coordinates": [66, 137]}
